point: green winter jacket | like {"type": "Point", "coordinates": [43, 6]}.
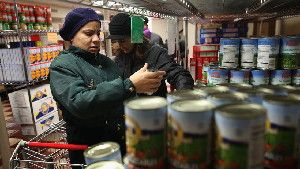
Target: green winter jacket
{"type": "Point", "coordinates": [89, 88]}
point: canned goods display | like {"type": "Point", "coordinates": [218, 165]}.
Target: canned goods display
{"type": "Point", "coordinates": [145, 131]}
{"type": "Point", "coordinates": [240, 136]}
{"type": "Point", "coordinates": [220, 99]}
{"type": "Point", "coordinates": [256, 94]}
{"type": "Point", "coordinates": [217, 76]}
{"type": "Point", "coordinates": [240, 76]}
{"type": "Point", "coordinates": [105, 165]}
{"type": "Point", "coordinates": [290, 53]}
{"type": "Point", "coordinates": [209, 90]}
{"type": "Point", "coordinates": [281, 90]}
{"type": "Point", "coordinates": [296, 77]}
{"type": "Point", "coordinates": [248, 53]}
{"type": "Point", "coordinates": [186, 94]}
{"type": "Point", "coordinates": [229, 53]}
{"type": "Point", "coordinates": [189, 134]}
{"type": "Point", "coordinates": [281, 77]}
{"type": "Point", "coordinates": [106, 151]}
{"type": "Point", "coordinates": [236, 86]}
{"type": "Point", "coordinates": [259, 77]}
{"type": "Point", "coordinates": [283, 132]}
{"type": "Point", "coordinates": [268, 51]}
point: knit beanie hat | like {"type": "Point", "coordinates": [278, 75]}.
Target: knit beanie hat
{"type": "Point", "coordinates": [120, 26]}
{"type": "Point", "coordinates": [75, 20]}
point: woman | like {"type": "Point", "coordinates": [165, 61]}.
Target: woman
{"type": "Point", "coordinates": [134, 56]}
{"type": "Point", "coordinates": [89, 88]}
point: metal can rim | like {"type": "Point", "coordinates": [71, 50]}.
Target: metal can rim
{"type": "Point", "coordinates": [235, 110]}
{"type": "Point", "coordinates": [282, 100]}
{"type": "Point", "coordinates": [100, 164]}
{"type": "Point", "coordinates": [203, 106]}
{"type": "Point", "coordinates": [133, 103]}
{"type": "Point", "coordinates": [115, 148]}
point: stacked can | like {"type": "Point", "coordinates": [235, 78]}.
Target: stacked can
{"type": "Point", "coordinates": [296, 77]}
{"type": "Point", "coordinates": [281, 77]}
{"type": "Point", "coordinates": [259, 77]}
{"type": "Point", "coordinates": [220, 99]}
{"type": "Point", "coordinates": [240, 136]}
{"type": "Point", "coordinates": [209, 90]}
{"type": "Point", "coordinates": [240, 76]}
{"type": "Point", "coordinates": [248, 53]}
{"type": "Point", "coordinates": [290, 53]}
{"type": "Point", "coordinates": [217, 76]}
{"type": "Point", "coordinates": [236, 86]}
{"type": "Point", "coordinates": [145, 132]}
{"type": "Point", "coordinates": [229, 53]}
{"type": "Point", "coordinates": [190, 134]}
{"type": "Point", "coordinates": [283, 132]}
{"type": "Point", "coordinates": [268, 52]}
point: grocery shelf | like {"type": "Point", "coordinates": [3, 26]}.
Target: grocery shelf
{"type": "Point", "coordinates": [15, 32]}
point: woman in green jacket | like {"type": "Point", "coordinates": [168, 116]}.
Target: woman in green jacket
{"type": "Point", "coordinates": [89, 87]}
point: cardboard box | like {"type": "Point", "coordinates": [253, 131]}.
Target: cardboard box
{"type": "Point", "coordinates": [19, 99]}
{"type": "Point", "coordinates": [44, 124]}
{"type": "Point", "coordinates": [40, 92]}
{"type": "Point", "coordinates": [22, 115]}
{"type": "Point", "coordinates": [43, 107]}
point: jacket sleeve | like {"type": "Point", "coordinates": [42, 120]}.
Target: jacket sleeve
{"type": "Point", "coordinates": [71, 92]}
{"type": "Point", "coordinates": [177, 76]}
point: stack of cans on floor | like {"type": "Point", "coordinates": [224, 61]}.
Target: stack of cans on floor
{"type": "Point", "coordinates": [257, 61]}
{"type": "Point", "coordinates": [234, 126]}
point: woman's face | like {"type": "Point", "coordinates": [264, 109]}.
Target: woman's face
{"type": "Point", "coordinates": [126, 45]}
{"type": "Point", "coordinates": [87, 38]}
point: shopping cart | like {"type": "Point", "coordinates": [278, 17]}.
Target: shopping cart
{"type": "Point", "coordinates": [48, 150]}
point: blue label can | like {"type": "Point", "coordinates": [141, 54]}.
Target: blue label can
{"type": "Point", "coordinates": [248, 53]}
{"type": "Point", "coordinates": [229, 53]}
{"type": "Point", "coordinates": [290, 53]}
{"type": "Point", "coordinates": [296, 77]}
{"type": "Point", "coordinates": [259, 77]}
{"type": "Point", "coordinates": [217, 76]}
{"type": "Point", "coordinates": [281, 77]}
{"type": "Point", "coordinates": [239, 76]}
{"type": "Point", "coordinates": [268, 52]}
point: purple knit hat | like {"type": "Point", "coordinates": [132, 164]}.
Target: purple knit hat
{"type": "Point", "coordinates": [75, 20]}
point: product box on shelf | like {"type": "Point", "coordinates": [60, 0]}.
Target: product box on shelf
{"type": "Point", "coordinates": [43, 107]}
{"type": "Point", "coordinates": [22, 115]}
{"type": "Point", "coordinates": [19, 99]}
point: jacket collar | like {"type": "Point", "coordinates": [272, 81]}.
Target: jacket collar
{"type": "Point", "coordinates": [92, 58]}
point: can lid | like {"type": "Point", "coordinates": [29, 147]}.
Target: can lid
{"type": "Point", "coordinates": [105, 165]}
{"type": "Point", "coordinates": [283, 100]}
{"type": "Point", "coordinates": [214, 89]}
{"type": "Point", "coordinates": [188, 94]}
{"type": "Point", "coordinates": [237, 96]}
{"type": "Point", "coordinates": [192, 106]}
{"type": "Point", "coordinates": [237, 85]}
{"type": "Point", "coordinates": [146, 103]}
{"type": "Point", "coordinates": [278, 87]}
{"type": "Point", "coordinates": [101, 150]}
{"type": "Point", "coordinates": [241, 110]}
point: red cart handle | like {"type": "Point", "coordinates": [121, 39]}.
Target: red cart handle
{"type": "Point", "coordinates": [56, 145]}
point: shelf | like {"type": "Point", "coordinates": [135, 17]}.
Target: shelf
{"type": "Point", "coordinates": [14, 32]}
{"type": "Point", "coordinates": [18, 85]}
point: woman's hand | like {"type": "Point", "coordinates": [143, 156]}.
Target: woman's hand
{"type": "Point", "coordinates": [145, 81]}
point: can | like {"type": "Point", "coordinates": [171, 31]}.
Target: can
{"type": "Point", "coordinates": [186, 94]}
{"type": "Point", "coordinates": [281, 90]}
{"type": "Point", "coordinates": [240, 76]}
{"type": "Point", "coordinates": [259, 77]}
{"type": "Point", "coordinates": [236, 86]}
{"type": "Point", "coordinates": [248, 53]}
{"type": "Point", "coordinates": [290, 53]}
{"type": "Point", "coordinates": [106, 151]}
{"type": "Point", "coordinates": [209, 90]}
{"type": "Point", "coordinates": [283, 132]}
{"type": "Point", "coordinates": [281, 77]}
{"type": "Point", "coordinates": [240, 136]}
{"type": "Point", "coordinates": [229, 52]}
{"type": "Point", "coordinates": [220, 99]}
{"type": "Point", "coordinates": [145, 131]}
{"type": "Point", "coordinates": [217, 76]}
{"type": "Point", "coordinates": [256, 94]}
{"type": "Point", "coordinates": [268, 51]}
{"type": "Point", "coordinates": [189, 134]}
{"type": "Point", "coordinates": [105, 165]}
{"type": "Point", "coordinates": [296, 77]}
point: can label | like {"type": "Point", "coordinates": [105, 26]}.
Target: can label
{"type": "Point", "coordinates": [283, 136]}
{"type": "Point", "coordinates": [228, 57]}
{"type": "Point", "coordinates": [248, 56]}
{"type": "Point", "coordinates": [189, 139]}
{"type": "Point", "coordinates": [241, 76]}
{"type": "Point", "coordinates": [296, 77]}
{"type": "Point", "coordinates": [217, 76]}
{"type": "Point", "coordinates": [145, 137]}
{"type": "Point", "coordinates": [240, 142]}
{"type": "Point", "coordinates": [267, 56]}
{"type": "Point", "coordinates": [281, 77]}
{"type": "Point", "coordinates": [290, 53]}
{"type": "Point", "coordinates": [259, 77]}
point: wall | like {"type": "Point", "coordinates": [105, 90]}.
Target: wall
{"type": "Point", "coordinates": [291, 26]}
{"type": "Point", "coordinates": [159, 26]}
